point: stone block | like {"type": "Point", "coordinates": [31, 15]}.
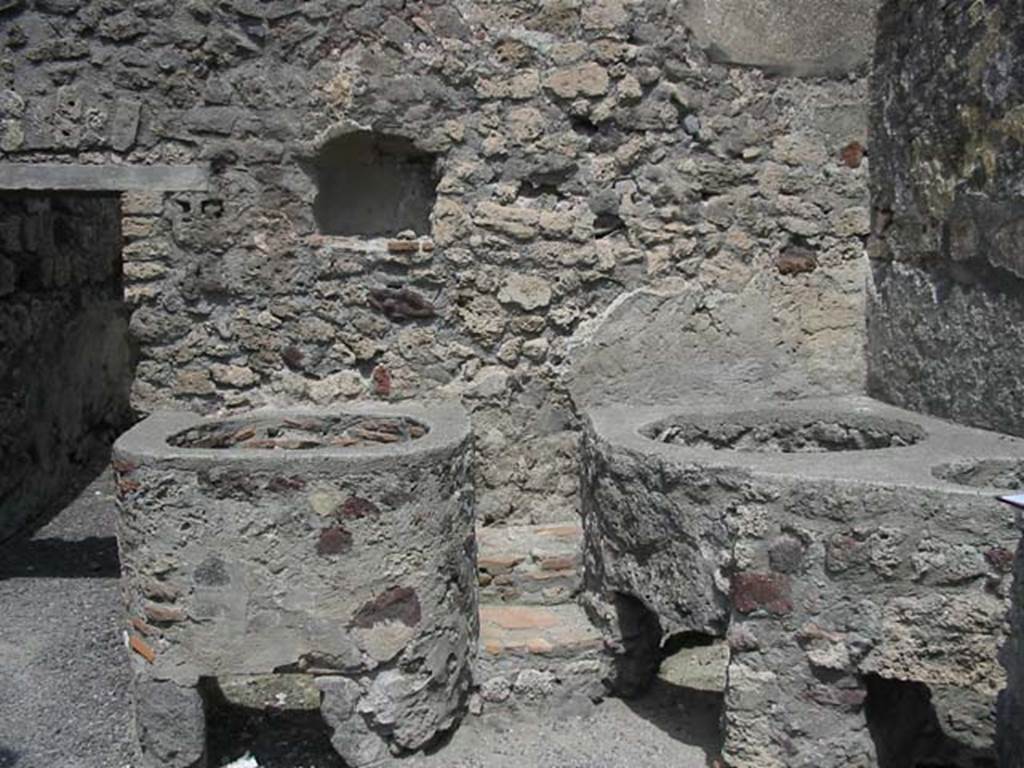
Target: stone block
{"type": "Point", "coordinates": [700, 668]}
{"type": "Point", "coordinates": [802, 37]}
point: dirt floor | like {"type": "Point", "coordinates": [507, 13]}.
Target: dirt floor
{"type": "Point", "coordinates": [64, 682]}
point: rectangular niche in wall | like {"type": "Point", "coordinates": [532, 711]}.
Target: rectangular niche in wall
{"type": "Point", "coordinates": [373, 184]}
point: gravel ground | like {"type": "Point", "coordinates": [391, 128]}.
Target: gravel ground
{"type": "Point", "coordinates": [64, 682]}
{"type": "Point", "coordinates": [64, 690]}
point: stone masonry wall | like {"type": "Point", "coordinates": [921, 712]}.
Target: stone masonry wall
{"type": "Point", "coordinates": [944, 330]}
{"type": "Point", "coordinates": [65, 362]}
{"type": "Point", "coordinates": [947, 169]}
{"type": "Point", "coordinates": [582, 150]}
{"type": "Point", "coordinates": [1010, 736]}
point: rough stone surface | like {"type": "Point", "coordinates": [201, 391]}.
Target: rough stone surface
{"type": "Point", "coordinates": [821, 569]}
{"type": "Point", "coordinates": [698, 668]}
{"type": "Point", "coordinates": [1011, 705]}
{"type": "Point", "coordinates": [589, 147]}
{"type": "Point", "coordinates": [170, 723]}
{"type": "Point", "coordinates": [946, 291]}
{"type": "Point", "coordinates": [946, 173]}
{"type": "Point", "coordinates": [65, 361]}
{"type": "Point", "coordinates": [658, 345]}
{"type": "Point", "coordinates": [352, 562]}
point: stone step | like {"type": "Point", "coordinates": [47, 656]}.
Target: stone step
{"type": "Point", "coordinates": [530, 564]}
{"type": "Point", "coordinates": [537, 652]}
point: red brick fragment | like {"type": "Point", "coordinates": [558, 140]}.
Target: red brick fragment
{"type": "Point", "coordinates": [141, 647]}
{"type": "Point", "coordinates": [852, 155]}
{"type": "Point", "coordinates": [396, 604]}
{"type": "Point", "coordinates": [143, 628]}
{"type": "Point", "coordinates": [846, 699]}
{"type": "Point", "coordinates": [1001, 559]}
{"type": "Point", "coordinates": [126, 486]}
{"type": "Point", "coordinates": [282, 483]}
{"type": "Point", "coordinates": [401, 303]}
{"type": "Point", "coordinates": [334, 541]}
{"type": "Point", "coordinates": [403, 246]}
{"type": "Point", "coordinates": [796, 261]}
{"type": "Point", "coordinates": [761, 591]}
{"type": "Point", "coordinates": [356, 508]}
{"type": "Point", "coordinates": [381, 378]}
{"type": "Point", "coordinates": [161, 613]}
{"type": "Point", "coordinates": [293, 357]}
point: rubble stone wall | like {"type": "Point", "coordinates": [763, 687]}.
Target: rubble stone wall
{"type": "Point", "coordinates": [65, 362]}
{"type": "Point", "coordinates": [944, 330]}
{"type": "Point", "coordinates": [1011, 710]}
{"type": "Point", "coordinates": [581, 150]}
{"type": "Point", "coordinates": [947, 135]}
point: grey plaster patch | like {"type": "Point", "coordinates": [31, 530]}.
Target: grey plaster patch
{"type": "Point", "coordinates": [803, 37]}
{"type": "Point", "coordinates": [675, 343]}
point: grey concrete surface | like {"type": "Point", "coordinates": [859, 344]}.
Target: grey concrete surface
{"type": "Point", "coordinates": [657, 346]}
{"type": "Point", "coordinates": [921, 465]}
{"type": "Point", "coordinates": [668, 727]}
{"type": "Point", "coordinates": [64, 677]}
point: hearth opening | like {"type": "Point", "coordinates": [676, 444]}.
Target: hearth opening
{"type": "Point", "coordinates": [907, 730]}
{"type": "Point", "coordinates": [274, 719]}
{"type": "Point", "coordinates": [635, 666]}
{"type": "Point", "coordinates": [66, 362]}
{"type": "Point", "coordinates": [759, 432]}
{"type": "Point", "coordinates": [374, 185]}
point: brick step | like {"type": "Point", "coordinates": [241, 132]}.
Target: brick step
{"type": "Point", "coordinates": [533, 653]}
{"type": "Point", "coordinates": [530, 564]}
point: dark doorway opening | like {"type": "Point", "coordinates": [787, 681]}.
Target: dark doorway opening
{"type": "Point", "coordinates": [66, 364]}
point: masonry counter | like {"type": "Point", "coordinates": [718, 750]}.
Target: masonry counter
{"type": "Point", "coordinates": [336, 543]}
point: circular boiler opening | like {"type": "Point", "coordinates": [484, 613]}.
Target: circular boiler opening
{"type": "Point", "coordinates": [1003, 474]}
{"type": "Point", "coordinates": [760, 432]}
{"type": "Point", "coordinates": [300, 432]}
